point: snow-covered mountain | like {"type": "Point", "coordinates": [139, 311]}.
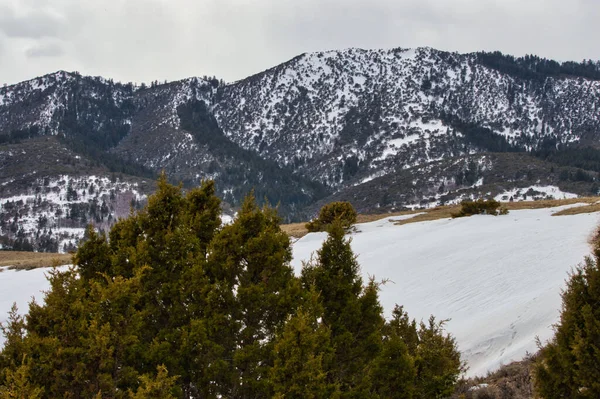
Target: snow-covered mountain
{"type": "Point", "coordinates": [56, 209]}
{"type": "Point", "coordinates": [381, 128]}
{"type": "Point", "coordinates": [340, 115]}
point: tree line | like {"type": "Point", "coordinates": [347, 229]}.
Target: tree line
{"type": "Point", "coordinates": [532, 67]}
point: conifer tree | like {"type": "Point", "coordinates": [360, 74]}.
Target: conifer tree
{"type": "Point", "coordinates": [81, 340]}
{"type": "Point", "coordinates": [134, 302]}
{"type": "Point", "coordinates": [351, 312]}
{"type": "Point", "coordinates": [568, 366]}
{"type": "Point", "coordinates": [301, 352]}
{"type": "Point", "coordinates": [434, 359]}
{"type": "Point", "coordinates": [249, 268]}
{"type": "Point", "coordinates": [393, 372]}
{"type": "Point", "coordinates": [437, 361]}
{"type": "Point", "coordinates": [14, 334]}
{"type": "Point", "coordinates": [221, 310]}
{"type": "Point", "coordinates": [159, 387]}
{"type": "Point", "coordinates": [17, 385]}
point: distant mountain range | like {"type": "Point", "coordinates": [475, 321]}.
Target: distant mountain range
{"type": "Point", "coordinates": [384, 129]}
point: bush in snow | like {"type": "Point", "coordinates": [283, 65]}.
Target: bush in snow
{"type": "Point", "coordinates": [341, 210]}
{"type": "Point", "coordinates": [480, 207]}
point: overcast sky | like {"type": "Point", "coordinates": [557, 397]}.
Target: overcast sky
{"type": "Point", "coordinates": [145, 40]}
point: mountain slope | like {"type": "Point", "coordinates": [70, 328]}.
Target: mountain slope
{"type": "Point", "coordinates": [339, 115]}
{"type": "Point", "coordinates": [383, 128]}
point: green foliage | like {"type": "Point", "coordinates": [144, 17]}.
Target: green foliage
{"type": "Point", "coordinates": [587, 158]}
{"type": "Point", "coordinates": [568, 365]}
{"type": "Point", "coordinates": [16, 136]}
{"type": "Point", "coordinates": [372, 358]}
{"type": "Point", "coordinates": [342, 211]}
{"type": "Point", "coordinates": [17, 383]}
{"type": "Point", "coordinates": [301, 354]}
{"type": "Point", "coordinates": [480, 207]}
{"type": "Point", "coordinates": [480, 137]}
{"type": "Point", "coordinates": [437, 361]}
{"type": "Point", "coordinates": [160, 387]}
{"type": "Point", "coordinates": [430, 357]}
{"type": "Point", "coordinates": [249, 264]}
{"type": "Point", "coordinates": [350, 310]}
{"type": "Point", "coordinates": [220, 308]}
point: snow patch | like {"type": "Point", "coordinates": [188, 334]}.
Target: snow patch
{"type": "Point", "coordinates": [533, 193]}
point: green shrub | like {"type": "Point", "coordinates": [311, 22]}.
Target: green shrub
{"type": "Point", "coordinates": [480, 207]}
{"type": "Point", "coordinates": [341, 210]}
{"type": "Point", "coordinates": [568, 365]}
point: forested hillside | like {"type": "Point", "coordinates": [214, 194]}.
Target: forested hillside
{"type": "Point", "coordinates": [384, 129]}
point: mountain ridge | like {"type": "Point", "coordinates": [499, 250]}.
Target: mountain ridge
{"type": "Point", "coordinates": [327, 125]}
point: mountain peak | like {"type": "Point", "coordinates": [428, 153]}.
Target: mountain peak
{"type": "Point", "coordinates": [340, 119]}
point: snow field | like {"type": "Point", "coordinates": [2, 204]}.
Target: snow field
{"type": "Point", "coordinates": [497, 278]}
{"type": "Point", "coordinates": [20, 286]}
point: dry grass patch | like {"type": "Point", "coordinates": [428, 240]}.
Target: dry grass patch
{"type": "Point", "coordinates": [298, 230]}
{"type": "Point", "coordinates": [374, 217]}
{"type": "Point", "coordinates": [32, 260]}
{"type": "Point", "coordinates": [513, 381]}
{"type": "Point", "coordinates": [577, 210]}
{"type": "Point", "coordinates": [443, 212]}
{"type": "Point", "coordinates": [548, 203]}
{"type": "Point", "coordinates": [440, 212]}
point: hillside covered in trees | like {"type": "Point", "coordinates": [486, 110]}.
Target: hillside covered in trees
{"type": "Point", "coordinates": [384, 129]}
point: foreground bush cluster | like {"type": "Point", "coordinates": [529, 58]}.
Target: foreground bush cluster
{"type": "Point", "coordinates": [174, 305]}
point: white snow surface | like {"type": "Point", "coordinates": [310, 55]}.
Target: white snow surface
{"type": "Point", "coordinates": [497, 278]}
{"type": "Point", "coordinates": [20, 287]}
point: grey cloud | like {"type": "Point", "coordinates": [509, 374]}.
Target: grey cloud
{"type": "Point", "coordinates": [45, 50]}
{"type": "Point", "coordinates": [34, 24]}
{"type": "Point", "coordinates": [144, 40]}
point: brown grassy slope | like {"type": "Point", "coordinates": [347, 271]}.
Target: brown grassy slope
{"type": "Point", "coordinates": [512, 381]}
{"type": "Point", "coordinates": [298, 230]}
{"type": "Point", "coordinates": [593, 207]}
{"type": "Point", "coordinates": [32, 260]}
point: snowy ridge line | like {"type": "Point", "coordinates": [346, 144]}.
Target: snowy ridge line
{"type": "Point", "coordinates": [409, 90]}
